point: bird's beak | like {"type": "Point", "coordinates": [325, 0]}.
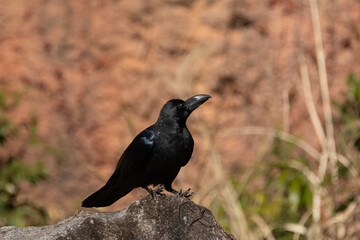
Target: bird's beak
{"type": "Point", "coordinates": [195, 101]}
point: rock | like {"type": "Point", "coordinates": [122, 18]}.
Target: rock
{"type": "Point", "coordinates": [164, 217]}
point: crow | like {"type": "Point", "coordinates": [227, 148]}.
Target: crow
{"type": "Point", "coordinates": [155, 156]}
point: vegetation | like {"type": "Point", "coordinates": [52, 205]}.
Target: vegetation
{"type": "Point", "coordinates": [296, 190]}
{"type": "Point", "coordinates": [13, 171]}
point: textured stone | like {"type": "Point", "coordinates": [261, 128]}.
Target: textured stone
{"type": "Point", "coordinates": [164, 217]}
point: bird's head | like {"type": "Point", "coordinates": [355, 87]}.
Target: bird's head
{"type": "Point", "coordinates": [180, 110]}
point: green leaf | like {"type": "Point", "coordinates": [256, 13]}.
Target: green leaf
{"type": "Point", "coordinates": [295, 193]}
{"type": "Point", "coordinates": [353, 87]}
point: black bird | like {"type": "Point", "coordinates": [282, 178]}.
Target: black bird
{"type": "Point", "coordinates": [155, 156]}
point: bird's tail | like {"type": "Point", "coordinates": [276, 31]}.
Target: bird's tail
{"type": "Point", "coordinates": [106, 195]}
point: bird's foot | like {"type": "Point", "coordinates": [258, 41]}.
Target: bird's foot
{"type": "Point", "coordinates": [186, 194]}
{"type": "Point", "coordinates": [159, 190]}
{"type": "Point", "coordinates": [150, 191]}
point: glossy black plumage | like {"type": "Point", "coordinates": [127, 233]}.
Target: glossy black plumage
{"type": "Point", "coordinates": [155, 156]}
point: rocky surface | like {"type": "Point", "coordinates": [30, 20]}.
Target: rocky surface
{"type": "Point", "coordinates": [164, 217]}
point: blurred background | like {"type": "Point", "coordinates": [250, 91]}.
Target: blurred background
{"type": "Point", "coordinates": [276, 148]}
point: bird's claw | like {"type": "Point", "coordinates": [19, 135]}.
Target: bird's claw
{"type": "Point", "coordinates": [159, 190]}
{"type": "Point", "coordinates": [186, 194]}
{"type": "Point", "coordinates": [156, 191]}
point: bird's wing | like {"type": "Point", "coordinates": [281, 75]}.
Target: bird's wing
{"type": "Point", "coordinates": [188, 155]}
{"type": "Point", "coordinates": [136, 154]}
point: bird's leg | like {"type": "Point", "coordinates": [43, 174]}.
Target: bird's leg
{"type": "Point", "coordinates": [150, 191]}
{"type": "Point", "coordinates": [170, 189]}
{"type": "Point", "coordinates": [186, 194]}
{"type": "Point", "coordinates": [159, 189]}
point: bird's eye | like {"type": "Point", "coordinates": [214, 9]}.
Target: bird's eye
{"type": "Point", "coordinates": [181, 106]}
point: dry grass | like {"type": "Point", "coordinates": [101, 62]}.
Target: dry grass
{"type": "Point", "coordinates": [326, 161]}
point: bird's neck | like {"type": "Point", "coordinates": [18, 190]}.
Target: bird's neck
{"type": "Point", "coordinates": [171, 124]}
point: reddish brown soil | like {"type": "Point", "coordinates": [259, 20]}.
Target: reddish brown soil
{"type": "Point", "coordinates": [98, 72]}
